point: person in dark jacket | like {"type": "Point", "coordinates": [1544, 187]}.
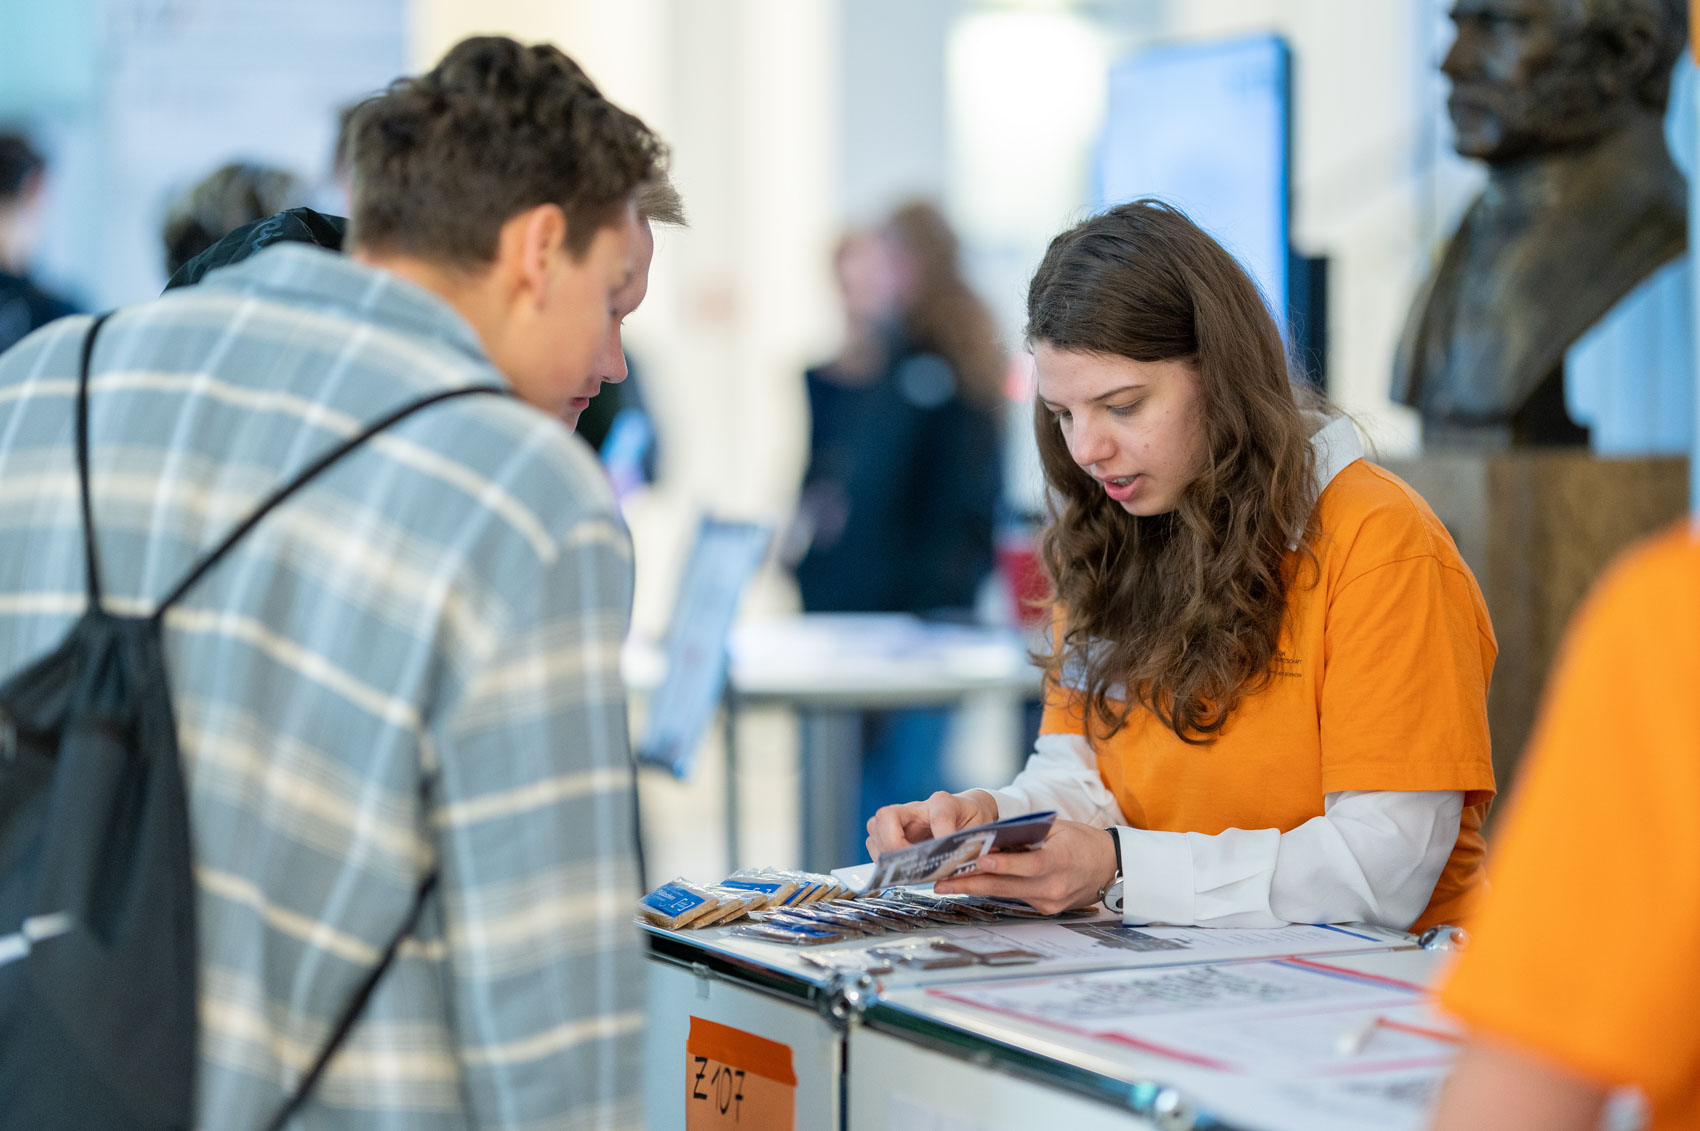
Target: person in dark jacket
{"type": "Point", "coordinates": [231, 196]}
{"type": "Point", "coordinates": [904, 466]}
{"type": "Point", "coordinates": [293, 225]}
{"type": "Point", "coordinates": [24, 306]}
{"type": "Point", "coordinates": [900, 497]}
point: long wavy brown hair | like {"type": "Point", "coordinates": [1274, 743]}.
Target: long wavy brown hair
{"type": "Point", "coordinates": [1182, 609]}
{"type": "Point", "coordinates": [943, 313]}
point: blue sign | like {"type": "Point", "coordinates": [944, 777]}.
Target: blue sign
{"type": "Point", "coordinates": [1205, 127]}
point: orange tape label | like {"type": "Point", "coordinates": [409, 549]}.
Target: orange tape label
{"type": "Point", "coordinates": [737, 1079]}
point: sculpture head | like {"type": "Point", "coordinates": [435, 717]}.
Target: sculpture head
{"type": "Point", "coordinates": [1533, 76]}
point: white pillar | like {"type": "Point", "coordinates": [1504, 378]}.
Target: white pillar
{"type": "Point", "coordinates": [745, 92]}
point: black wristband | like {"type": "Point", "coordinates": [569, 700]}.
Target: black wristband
{"type": "Point", "coordinates": [1115, 839]}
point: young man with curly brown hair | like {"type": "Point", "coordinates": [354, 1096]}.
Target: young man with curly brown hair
{"type": "Point", "coordinates": [409, 670]}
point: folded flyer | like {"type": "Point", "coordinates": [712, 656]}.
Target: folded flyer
{"type": "Point", "coordinates": [944, 856]}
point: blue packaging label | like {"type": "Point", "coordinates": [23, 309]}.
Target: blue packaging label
{"type": "Point", "coordinates": [672, 900]}
{"type": "Point", "coordinates": [752, 885]}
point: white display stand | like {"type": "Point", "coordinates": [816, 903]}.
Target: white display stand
{"type": "Point", "coordinates": [892, 1053]}
{"type": "Point", "coordinates": [901, 1086]}
{"type": "Point", "coordinates": [915, 1058]}
{"type": "Point", "coordinates": [678, 995]}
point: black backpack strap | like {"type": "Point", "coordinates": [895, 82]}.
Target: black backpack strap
{"type": "Point", "coordinates": [306, 476]}
{"type": "Point", "coordinates": [351, 1012]}
{"type": "Point", "coordinates": [93, 559]}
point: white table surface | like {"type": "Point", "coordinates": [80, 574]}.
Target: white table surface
{"type": "Point", "coordinates": [867, 661]}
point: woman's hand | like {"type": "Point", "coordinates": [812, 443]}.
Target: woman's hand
{"type": "Point", "coordinates": [1068, 870]}
{"type": "Point", "coordinates": [898, 826]}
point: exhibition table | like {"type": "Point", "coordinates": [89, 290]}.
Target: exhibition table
{"type": "Point", "coordinates": [1106, 1027]}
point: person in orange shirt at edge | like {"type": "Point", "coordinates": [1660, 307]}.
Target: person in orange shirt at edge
{"type": "Point", "coordinates": [1567, 1001]}
{"type": "Point", "coordinates": [1270, 666]}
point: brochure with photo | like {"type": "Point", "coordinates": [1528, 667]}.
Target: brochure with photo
{"type": "Point", "coordinates": [946, 855]}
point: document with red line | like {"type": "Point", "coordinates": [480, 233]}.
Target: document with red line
{"type": "Point", "coordinates": [1101, 942]}
{"type": "Point", "coordinates": [1322, 1043]}
{"type": "Point", "coordinates": [1285, 1018]}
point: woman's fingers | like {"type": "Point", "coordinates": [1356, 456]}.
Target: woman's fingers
{"type": "Point", "coordinates": [1066, 871]}
{"type": "Point", "coordinates": [885, 831]}
{"type": "Point", "coordinates": [1032, 863]}
{"type": "Point", "coordinates": [895, 826]}
{"type": "Point", "coordinates": [946, 813]}
{"type": "Point", "coordinates": [1026, 876]}
{"type": "Point", "coordinates": [1047, 893]}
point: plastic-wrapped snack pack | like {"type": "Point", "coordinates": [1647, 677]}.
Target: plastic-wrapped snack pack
{"type": "Point", "coordinates": [677, 903]}
{"type": "Point", "coordinates": [734, 905]}
{"type": "Point", "coordinates": [807, 909]}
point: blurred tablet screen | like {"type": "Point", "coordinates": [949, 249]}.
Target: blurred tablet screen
{"type": "Point", "coordinates": [725, 557]}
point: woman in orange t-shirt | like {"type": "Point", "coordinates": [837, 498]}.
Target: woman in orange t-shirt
{"type": "Point", "coordinates": [1270, 666]}
{"type": "Point", "coordinates": [1582, 974]}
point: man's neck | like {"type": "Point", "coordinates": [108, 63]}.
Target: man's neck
{"type": "Point", "coordinates": [463, 291]}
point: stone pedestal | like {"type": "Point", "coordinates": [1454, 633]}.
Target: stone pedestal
{"type": "Point", "coordinates": [1537, 528]}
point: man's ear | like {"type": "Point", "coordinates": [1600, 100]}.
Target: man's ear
{"type": "Point", "coordinates": [527, 248]}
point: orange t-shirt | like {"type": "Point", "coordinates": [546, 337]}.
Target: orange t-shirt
{"type": "Point", "coordinates": [1588, 950]}
{"type": "Point", "coordinates": [1380, 682]}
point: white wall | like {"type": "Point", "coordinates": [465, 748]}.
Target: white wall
{"type": "Point", "coordinates": [745, 92]}
{"type": "Point", "coordinates": [794, 118]}
{"type": "Point", "coordinates": [892, 102]}
{"type": "Point", "coordinates": [791, 119]}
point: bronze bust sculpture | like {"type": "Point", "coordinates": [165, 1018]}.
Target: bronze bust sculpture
{"type": "Point", "coordinates": [1565, 101]}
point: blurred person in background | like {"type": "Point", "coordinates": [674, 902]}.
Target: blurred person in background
{"type": "Point", "coordinates": [900, 497]}
{"type": "Point", "coordinates": [222, 201]}
{"type": "Point", "coordinates": [1605, 824]}
{"type": "Point", "coordinates": [24, 306]}
{"type": "Point", "coordinates": [292, 225]}
{"type": "Point", "coordinates": [369, 693]}
{"type": "Point", "coordinates": [902, 484]}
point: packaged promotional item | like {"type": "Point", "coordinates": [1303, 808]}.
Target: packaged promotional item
{"type": "Point", "coordinates": [676, 904]}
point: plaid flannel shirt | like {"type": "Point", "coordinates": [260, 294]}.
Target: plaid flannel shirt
{"type": "Point", "coordinates": [414, 663]}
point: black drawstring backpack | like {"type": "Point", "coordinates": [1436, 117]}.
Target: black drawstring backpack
{"type": "Point", "coordinates": [98, 971]}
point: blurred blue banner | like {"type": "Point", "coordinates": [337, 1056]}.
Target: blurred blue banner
{"type": "Point", "coordinates": [1205, 126]}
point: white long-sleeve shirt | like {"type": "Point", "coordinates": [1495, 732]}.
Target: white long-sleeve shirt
{"type": "Point", "coordinates": [1373, 856]}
